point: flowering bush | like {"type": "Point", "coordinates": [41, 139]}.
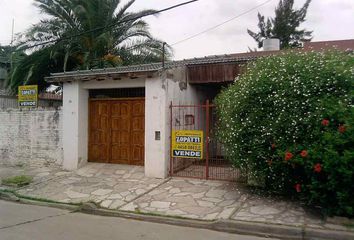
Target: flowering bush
{"type": "Point", "coordinates": [289, 121]}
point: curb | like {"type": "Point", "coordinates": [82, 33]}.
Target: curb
{"type": "Point", "coordinates": [11, 197]}
{"type": "Point", "coordinates": [238, 227]}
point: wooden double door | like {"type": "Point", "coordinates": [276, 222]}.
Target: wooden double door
{"type": "Point", "coordinates": [117, 131]}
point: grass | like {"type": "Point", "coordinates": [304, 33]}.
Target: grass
{"type": "Point", "coordinates": [17, 181]}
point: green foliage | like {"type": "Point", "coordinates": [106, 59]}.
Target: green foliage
{"type": "Point", "coordinates": [290, 121]}
{"type": "Point", "coordinates": [284, 26]}
{"type": "Point", "coordinates": [107, 35]}
{"type": "Point", "coordinates": [18, 181]}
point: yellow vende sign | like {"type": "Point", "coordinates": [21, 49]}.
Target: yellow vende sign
{"type": "Point", "coordinates": [187, 144]}
{"type": "Point", "coordinates": [28, 96]}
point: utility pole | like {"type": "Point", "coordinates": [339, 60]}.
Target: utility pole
{"type": "Point", "coordinates": [12, 32]}
{"type": "Point", "coordinates": [163, 54]}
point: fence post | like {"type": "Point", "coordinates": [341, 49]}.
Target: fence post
{"type": "Point", "coordinates": [171, 158]}
{"type": "Point", "coordinates": [207, 115]}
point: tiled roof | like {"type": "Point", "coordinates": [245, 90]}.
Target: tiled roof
{"type": "Point", "coordinates": [342, 45]}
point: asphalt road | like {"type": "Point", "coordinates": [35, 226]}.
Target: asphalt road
{"type": "Point", "coordinates": [27, 222]}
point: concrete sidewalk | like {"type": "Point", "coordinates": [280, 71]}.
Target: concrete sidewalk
{"type": "Point", "coordinates": [125, 188]}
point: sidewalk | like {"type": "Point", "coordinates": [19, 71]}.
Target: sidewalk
{"type": "Point", "coordinates": [125, 188]}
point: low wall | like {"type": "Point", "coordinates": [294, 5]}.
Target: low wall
{"type": "Point", "coordinates": [31, 137]}
{"type": "Point", "coordinates": [11, 102]}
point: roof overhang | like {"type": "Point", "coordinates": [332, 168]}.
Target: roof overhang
{"type": "Point", "coordinates": [99, 75]}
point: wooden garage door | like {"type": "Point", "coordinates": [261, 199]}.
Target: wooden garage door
{"type": "Point", "coordinates": [116, 132]}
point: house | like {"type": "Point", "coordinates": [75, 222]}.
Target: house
{"type": "Point", "coordinates": [125, 115]}
{"type": "Point", "coordinates": [4, 66]}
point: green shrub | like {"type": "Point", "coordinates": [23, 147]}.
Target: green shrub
{"type": "Point", "coordinates": [289, 121]}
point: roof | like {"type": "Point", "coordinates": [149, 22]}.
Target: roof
{"type": "Point", "coordinates": [154, 67]}
{"type": "Point", "coordinates": [343, 45]}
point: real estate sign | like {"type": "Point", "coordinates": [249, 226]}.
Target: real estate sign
{"type": "Point", "coordinates": [28, 96]}
{"type": "Point", "coordinates": [187, 144]}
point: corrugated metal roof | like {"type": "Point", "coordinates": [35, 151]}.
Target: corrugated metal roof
{"type": "Point", "coordinates": [153, 66]}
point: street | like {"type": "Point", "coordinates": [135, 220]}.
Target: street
{"type": "Point", "coordinates": [28, 222]}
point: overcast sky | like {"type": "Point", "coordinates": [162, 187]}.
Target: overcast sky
{"type": "Point", "coordinates": [329, 19]}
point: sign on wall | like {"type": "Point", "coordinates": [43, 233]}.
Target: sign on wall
{"type": "Point", "coordinates": [187, 144]}
{"type": "Point", "coordinates": [28, 96]}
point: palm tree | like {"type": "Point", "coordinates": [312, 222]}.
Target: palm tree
{"type": "Point", "coordinates": [85, 34]}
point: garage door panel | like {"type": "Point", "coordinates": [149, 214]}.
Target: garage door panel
{"type": "Point", "coordinates": [98, 135]}
{"type": "Point", "coordinates": [124, 108]}
{"type": "Point", "coordinates": [120, 154]}
{"type": "Point", "coordinates": [138, 139]}
{"type": "Point", "coordinates": [117, 131]}
{"type": "Point", "coordinates": [138, 108]}
{"type": "Point", "coordinates": [137, 155]}
{"type": "Point", "coordinates": [120, 138]}
{"type": "Point", "coordinates": [137, 124]}
{"type": "Point", "coordinates": [98, 153]}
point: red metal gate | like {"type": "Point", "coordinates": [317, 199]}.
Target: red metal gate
{"type": "Point", "coordinates": [213, 165]}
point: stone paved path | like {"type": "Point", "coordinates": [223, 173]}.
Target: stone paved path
{"type": "Point", "coordinates": [110, 186]}
{"type": "Point", "coordinates": [270, 210]}
{"type": "Point", "coordinates": [123, 187]}
{"type": "Point", "coordinates": [198, 199]}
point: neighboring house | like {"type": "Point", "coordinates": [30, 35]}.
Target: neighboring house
{"type": "Point", "coordinates": [4, 66]}
{"type": "Point", "coordinates": [122, 115]}
{"type": "Point", "coordinates": [342, 45]}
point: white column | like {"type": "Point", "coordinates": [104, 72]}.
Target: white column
{"type": "Point", "coordinates": [156, 119]}
{"type": "Point", "coordinates": [75, 125]}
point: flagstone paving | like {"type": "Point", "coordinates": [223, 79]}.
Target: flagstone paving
{"type": "Point", "coordinates": [107, 185]}
{"type": "Point", "coordinates": [198, 199]}
{"type": "Point", "coordinates": [125, 188]}
{"type": "Point", "coordinates": [274, 210]}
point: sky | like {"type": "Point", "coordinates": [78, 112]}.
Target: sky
{"type": "Point", "coordinates": [328, 19]}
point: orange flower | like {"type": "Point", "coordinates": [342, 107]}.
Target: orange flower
{"type": "Point", "coordinates": [317, 168]}
{"type": "Point", "coordinates": [325, 122]}
{"type": "Point", "coordinates": [297, 187]}
{"type": "Point", "coordinates": [269, 162]}
{"type": "Point", "coordinates": [288, 156]}
{"type": "Point", "coordinates": [304, 153]}
{"type": "Point", "coordinates": [341, 128]}
{"type": "Point", "coordinates": [273, 145]}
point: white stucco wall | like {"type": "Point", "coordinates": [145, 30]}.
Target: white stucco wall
{"type": "Point", "coordinates": [124, 83]}
{"type": "Point", "coordinates": [31, 137]}
{"type": "Point", "coordinates": [75, 125]}
{"type": "Point", "coordinates": [156, 118]}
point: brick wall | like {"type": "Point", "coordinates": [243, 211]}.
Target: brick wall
{"type": "Point", "coordinates": [31, 136]}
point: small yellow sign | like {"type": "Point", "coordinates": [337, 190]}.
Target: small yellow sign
{"type": "Point", "coordinates": [187, 144]}
{"type": "Point", "coordinates": [28, 96]}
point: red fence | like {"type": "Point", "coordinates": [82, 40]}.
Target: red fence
{"type": "Point", "coordinates": [213, 164]}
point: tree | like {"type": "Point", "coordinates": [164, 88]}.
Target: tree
{"type": "Point", "coordinates": [283, 26]}
{"type": "Point", "coordinates": [8, 58]}
{"type": "Point", "coordinates": [86, 34]}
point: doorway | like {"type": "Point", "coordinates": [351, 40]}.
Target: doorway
{"type": "Point", "coordinates": [117, 130]}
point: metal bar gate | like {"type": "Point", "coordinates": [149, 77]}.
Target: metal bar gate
{"type": "Point", "coordinates": [213, 163]}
